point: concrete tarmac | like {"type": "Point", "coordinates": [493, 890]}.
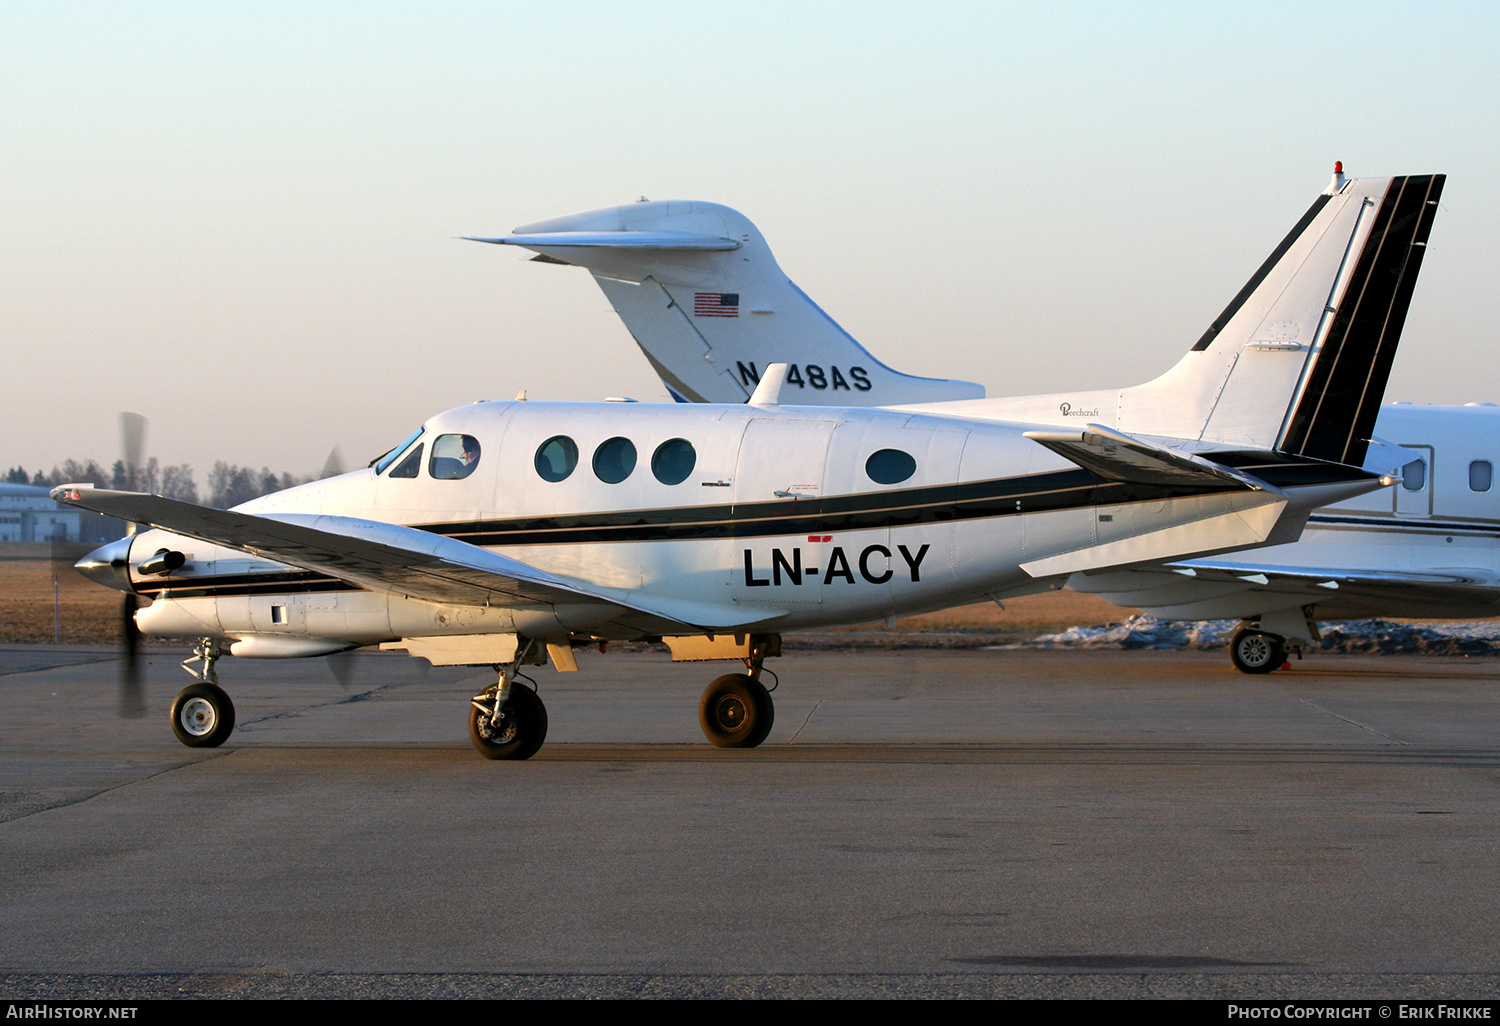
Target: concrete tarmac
{"type": "Point", "coordinates": [919, 823]}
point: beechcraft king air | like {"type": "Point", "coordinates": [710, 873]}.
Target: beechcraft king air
{"type": "Point", "coordinates": [504, 533]}
{"type": "Point", "coordinates": [1425, 548]}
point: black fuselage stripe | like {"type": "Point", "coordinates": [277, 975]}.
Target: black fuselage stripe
{"type": "Point", "coordinates": [1044, 493]}
{"type": "Point", "coordinates": [1409, 524]}
{"type": "Point", "coordinates": [1052, 492]}
{"type": "Point", "coordinates": [211, 587]}
{"type": "Point", "coordinates": [1069, 490]}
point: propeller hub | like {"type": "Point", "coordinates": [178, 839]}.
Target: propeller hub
{"type": "Point", "coordinates": [108, 565]}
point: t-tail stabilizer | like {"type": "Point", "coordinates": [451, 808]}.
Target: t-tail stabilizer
{"type": "Point", "coordinates": [698, 288]}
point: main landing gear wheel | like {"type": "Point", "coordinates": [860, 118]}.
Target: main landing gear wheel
{"type": "Point", "coordinates": [521, 730]}
{"type": "Point", "coordinates": [1257, 652]}
{"type": "Point", "coordinates": [202, 716]}
{"type": "Point", "coordinates": [736, 712]}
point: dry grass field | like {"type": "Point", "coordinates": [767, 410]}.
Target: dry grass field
{"type": "Point", "coordinates": [90, 613]}
{"type": "Point", "coordinates": [86, 612]}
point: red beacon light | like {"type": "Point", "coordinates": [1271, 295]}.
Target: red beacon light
{"type": "Point", "coordinates": [1338, 179]}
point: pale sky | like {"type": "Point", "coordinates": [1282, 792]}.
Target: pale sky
{"type": "Point", "coordinates": [240, 219]}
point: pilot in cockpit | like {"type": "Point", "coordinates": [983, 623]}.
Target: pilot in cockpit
{"type": "Point", "coordinates": [454, 457]}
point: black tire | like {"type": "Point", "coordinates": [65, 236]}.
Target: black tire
{"type": "Point", "coordinates": [1257, 651]}
{"type": "Point", "coordinates": [202, 716]}
{"type": "Point", "coordinates": [736, 712]}
{"type": "Point", "coordinates": [521, 731]}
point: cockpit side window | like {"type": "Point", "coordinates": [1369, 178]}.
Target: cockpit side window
{"type": "Point", "coordinates": [413, 463]}
{"type": "Point", "coordinates": [381, 462]}
{"type": "Point", "coordinates": [454, 457]}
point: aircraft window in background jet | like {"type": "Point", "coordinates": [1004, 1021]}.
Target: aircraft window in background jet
{"type": "Point", "coordinates": [454, 457]}
{"type": "Point", "coordinates": [381, 462]}
{"type": "Point", "coordinates": [673, 461]}
{"type": "Point", "coordinates": [890, 466]}
{"type": "Point", "coordinates": [614, 460]}
{"type": "Point", "coordinates": [1414, 476]}
{"type": "Point", "coordinates": [413, 463]}
{"type": "Point", "coordinates": [556, 458]}
{"type": "Point", "coordinates": [1481, 475]}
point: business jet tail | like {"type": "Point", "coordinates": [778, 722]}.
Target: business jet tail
{"type": "Point", "coordinates": [701, 293]}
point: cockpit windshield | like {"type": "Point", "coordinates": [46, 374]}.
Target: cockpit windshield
{"type": "Point", "coordinates": [381, 462]}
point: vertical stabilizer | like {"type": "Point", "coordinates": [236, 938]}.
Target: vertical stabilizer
{"type": "Point", "coordinates": [1298, 360]}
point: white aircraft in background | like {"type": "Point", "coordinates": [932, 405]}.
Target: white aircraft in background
{"type": "Point", "coordinates": [503, 533]}
{"type": "Point", "coordinates": [698, 288]}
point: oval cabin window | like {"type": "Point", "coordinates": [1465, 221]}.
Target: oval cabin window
{"type": "Point", "coordinates": [614, 460]}
{"type": "Point", "coordinates": [890, 466]}
{"type": "Point", "coordinates": [556, 458]}
{"type": "Point", "coordinates": [673, 461]}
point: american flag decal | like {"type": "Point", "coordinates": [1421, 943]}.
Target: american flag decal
{"type": "Point", "coordinates": [716, 304]}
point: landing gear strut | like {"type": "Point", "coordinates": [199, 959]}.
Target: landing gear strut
{"type": "Point", "coordinates": [507, 720]}
{"type": "Point", "coordinates": [202, 714]}
{"type": "Point", "coordinates": [736, 710]}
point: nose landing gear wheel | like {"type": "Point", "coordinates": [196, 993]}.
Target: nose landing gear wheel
{"type": "Point", "coordinates": [736, 712]}
{"type": "Point", "coordinates": [1256, 652]}
{"type": "Point", "coordinates": [202, 716]}
{"type": "Point", "coordinates": [520, 732]}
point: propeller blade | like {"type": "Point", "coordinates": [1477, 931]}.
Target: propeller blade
{"type": "Point", "coordinates": [132, 687]}
{"type": "Point", "coordinates": [132, 447]}
{"type": "Point", "coordinates": [333, 466]}
{"type": "Point", "coordinates": [58, 559]}
{"type": "Point", "coordinates": [342, 666]}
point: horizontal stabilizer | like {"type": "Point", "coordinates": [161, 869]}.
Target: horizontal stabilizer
{"type": "Point", "coordinates": [542, 242]}
{"type": "Point", "coordinates": [1116, 456]}
{"type": "Point", "coordinates": [1239, 528]}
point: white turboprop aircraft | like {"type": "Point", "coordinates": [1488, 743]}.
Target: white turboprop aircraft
{"type": "Point", "coordinates": [1425, 549]}
{"type": "Point", "coordinates": [503, 533]}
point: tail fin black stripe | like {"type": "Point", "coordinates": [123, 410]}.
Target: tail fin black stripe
{"type": "Point", "coordinates": [1336, 414]}
{"type": "Point", "coordinates": [1260, 275]}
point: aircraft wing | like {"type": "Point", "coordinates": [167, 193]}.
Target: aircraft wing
{"type": "Point", "coordinates": [385, 557]}
{"type": "Point", "coordinates": [1117, 456]}
{"type": "Point", "coordinates": [1228, 587]}
{"type": "Point", "coordinates": [1467, 583]}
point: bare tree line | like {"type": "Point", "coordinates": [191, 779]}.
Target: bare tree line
{"type": "Point", "coordinates": [228, 484]}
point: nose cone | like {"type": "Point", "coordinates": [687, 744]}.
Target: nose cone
{"type": "Point", "coordinates": [108, 565]}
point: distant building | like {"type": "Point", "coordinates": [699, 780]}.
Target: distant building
{"type": "Point", "coordinates": [28, 514]}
